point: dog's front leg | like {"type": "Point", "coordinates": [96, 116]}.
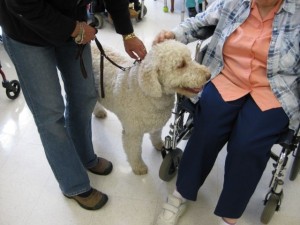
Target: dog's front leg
{"type": "Point", "coordinates": [132, 144]}
{"type": "Point", "coordinates": [155, 137]}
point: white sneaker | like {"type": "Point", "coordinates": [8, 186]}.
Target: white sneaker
{"type": "Point", "coordinates": [171, 212]}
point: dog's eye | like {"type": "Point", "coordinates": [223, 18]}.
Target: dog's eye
{"type": "Point", "coordinates": [182, 64]}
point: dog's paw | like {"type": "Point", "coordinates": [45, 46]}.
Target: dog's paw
{"type": "Point", "coordinates": [100, 114]}
{"type": "Point", "coordinates": [140, 169]}
{"type": "Point", "coordinates": [99, 110]}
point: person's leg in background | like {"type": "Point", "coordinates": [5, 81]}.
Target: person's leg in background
{"type": "Point", "coordinates": [248, 149]}
{"type": "Point", "coordinates": [200, 6]}
{"type": "Point", "coordinates": [191, 7]}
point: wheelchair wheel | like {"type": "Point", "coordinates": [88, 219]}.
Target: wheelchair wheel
{"type": "Point", "coordinates": [170, 164]}
{"type": "Point", "coordinates": [139, 18]}
{"type": "Point", "coordinates": [296, 165]}
{"type": "Point", "coordinates": [13, 89]}
{"type": "Point", "coordinates": [98, 20]}
{"type": "Point", "coordinates": [271, 206]}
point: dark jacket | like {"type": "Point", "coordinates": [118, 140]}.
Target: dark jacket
{"type": "Point", "coordinates": [51, 22]}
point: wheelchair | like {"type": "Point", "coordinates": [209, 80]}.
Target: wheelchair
{"type": "Point", "coordinates": [182, 127]}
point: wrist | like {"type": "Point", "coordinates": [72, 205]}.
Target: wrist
{"type": "Point", "coordinates": [79, 35]}
{"type": "Point", "coordinates": [128, 36]}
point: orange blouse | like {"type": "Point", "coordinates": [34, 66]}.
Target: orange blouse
{"type": "Point", "coordinates": [245, 55]}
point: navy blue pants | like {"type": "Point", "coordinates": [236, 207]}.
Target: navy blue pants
{"type": "Point", "coordinates": [249, 133]}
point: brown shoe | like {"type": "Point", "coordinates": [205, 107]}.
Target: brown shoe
{"type": "Point", "coordinates": [103, 167]}
{"type": "Point", "coordinates": [92, 202]}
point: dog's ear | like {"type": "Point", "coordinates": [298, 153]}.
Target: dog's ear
{"type": "Point", "coordinates": [148, 77]}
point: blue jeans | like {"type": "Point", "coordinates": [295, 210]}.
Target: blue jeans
{"type": "Point", "coordinates": [64, 124]}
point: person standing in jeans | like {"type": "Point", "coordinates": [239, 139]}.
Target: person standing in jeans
{"type": "Point", "coordinates": [41, 38]}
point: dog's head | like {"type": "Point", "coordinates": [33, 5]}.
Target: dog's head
{"type": "Point", "coordinates": [169, 68]}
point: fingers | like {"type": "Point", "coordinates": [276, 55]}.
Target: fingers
{"type": "Point", "coordinates": [83, 33]}
{"type": "Point", "coordinates": [132, 55]}
{"type": "Point", "coordinates": [135, 48]}
{"type": "Point", "coordinates": [138, 54]}
{"type": "Point", "coordinates": [141, 53]}
{"type": "Point", "coordinates": [162, 36]}
{"type": "Point", "coordinates": [89, 33]}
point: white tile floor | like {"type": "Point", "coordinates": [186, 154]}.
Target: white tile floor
{"type": "Point", "coordinates": [29, 194]}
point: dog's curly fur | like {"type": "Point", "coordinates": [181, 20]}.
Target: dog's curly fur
{"type": "Point", "coordinates": [143, 96]}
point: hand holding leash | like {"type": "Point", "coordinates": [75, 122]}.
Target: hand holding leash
{"type": "Point", "coordinates": [83, 33]}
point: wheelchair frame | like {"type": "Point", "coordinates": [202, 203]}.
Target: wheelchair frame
{"type": "Point", "coordinates": [289, 142]}
{"type": "Point", "coordinates": [182, 126]}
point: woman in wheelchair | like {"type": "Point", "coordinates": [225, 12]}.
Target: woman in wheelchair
{"type": "Point", "coordinates": [252, 97]}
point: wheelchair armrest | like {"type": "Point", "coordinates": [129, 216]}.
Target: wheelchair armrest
{"type": "Point", "coordinates": [287, 139]}
{"type": "Point", "coordinates": [187, 105]}
{"type": "Point", "coordinates": [205, 32]}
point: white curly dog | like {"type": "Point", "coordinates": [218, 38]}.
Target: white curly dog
{"type": "Point", "coordinates": [143, 96]}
